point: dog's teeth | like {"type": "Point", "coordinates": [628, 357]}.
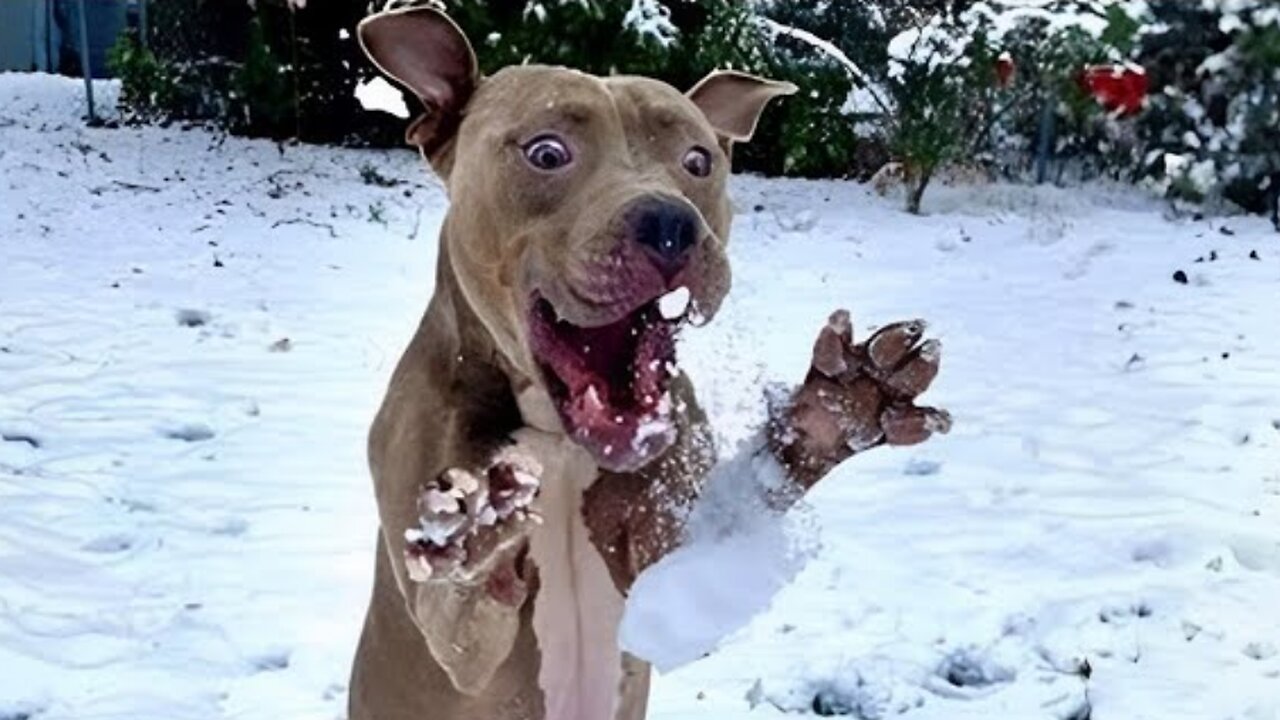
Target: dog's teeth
{"type": "Point", "coordinates": [591, 399]}
{"type": "Point", "coordinates": [696, 318]}
{"type": "Point", "coordinates": [674, 304]}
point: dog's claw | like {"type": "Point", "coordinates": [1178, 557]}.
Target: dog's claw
{"type": "Point", "coordinates": [889, 345]}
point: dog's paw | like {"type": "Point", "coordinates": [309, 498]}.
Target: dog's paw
{"type": "Point", "coordinates": [858, 396]}
{"type": "Point", "coordinates": [469, 521]}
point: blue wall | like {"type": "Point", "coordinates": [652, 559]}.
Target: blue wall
{"type": "Point", "coordinates": [44, 34]}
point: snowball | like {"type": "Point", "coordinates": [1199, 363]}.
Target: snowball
{"type": "Point", "coordinates": [378, 94]}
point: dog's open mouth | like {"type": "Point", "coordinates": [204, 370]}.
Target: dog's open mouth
{"type": "Point", "coordinates": [610, 383]}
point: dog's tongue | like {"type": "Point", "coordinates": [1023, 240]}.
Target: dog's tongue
{"type": "Point", "coordinates": [611, 382]}
{"type": "Point", "coordinates": [620, 439]}
{"type": "Point", "coordinates": [625, 420]}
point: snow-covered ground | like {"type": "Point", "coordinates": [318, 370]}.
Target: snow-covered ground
{"type": "Point", "coordinates": [195, 331]}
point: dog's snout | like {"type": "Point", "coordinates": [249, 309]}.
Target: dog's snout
{"type": "Point", "coordinates": [667, 230]}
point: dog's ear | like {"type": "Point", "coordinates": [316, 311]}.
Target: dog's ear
{"type": "Point", "coordinates": [423, 50]}
{"type": "Point", "coordinates": [732, 101]}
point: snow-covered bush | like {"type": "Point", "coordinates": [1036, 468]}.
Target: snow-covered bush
{"type": "Point", "coordinates": [1213, 132]}
{"type": "Point", "coordinates": [1056, 49]}
{"type": "Point", "coordinates": [925, 83]}
{"type": "Point", "coordinates": [282, 68]}
{"type": "Point", "coordinates": [821, 46]}
{"type": "Point", "coordinates": [922, 78]}
{"type": "Point", "coordinates": [941, 94]}
{"type": "Point", "coordinates": [275, 68]}
{"type": "Point", "coordinates": [148, 89]}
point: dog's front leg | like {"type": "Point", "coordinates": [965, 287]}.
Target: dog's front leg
{"type": "Point", "coordinates": [453, 504]}
{"type": "Point", "coordinates": [467, 562]}
{"type": "Point", "coordinates": [855, 397]}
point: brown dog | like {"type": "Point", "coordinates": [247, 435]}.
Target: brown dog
{"type": "Point", "coordinates": [537, 449]}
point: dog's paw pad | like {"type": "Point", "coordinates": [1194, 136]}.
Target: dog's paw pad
{"type": "Point", "coordinates": [459, 504]}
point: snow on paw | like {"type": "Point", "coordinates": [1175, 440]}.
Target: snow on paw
{"type": "Point", "coordinates": [466, 518]}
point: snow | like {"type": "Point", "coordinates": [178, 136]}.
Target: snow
{"type": "Point", "coordinates": [652, 19]}
{"type": "Point", "coordinates": [378, 94]}
{"type": "Point", "coordinates": [933, 44]}
{"type": "Point", "coordinates": [1087, 15]}
{"type": "Point", "coordinates": [186, 523]}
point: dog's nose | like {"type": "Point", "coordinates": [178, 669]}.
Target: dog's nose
{"type": "Point", "coordinates": [667, 230]}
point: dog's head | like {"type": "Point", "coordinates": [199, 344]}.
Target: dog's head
{"type": "Point", "coordinates": [588, 218]}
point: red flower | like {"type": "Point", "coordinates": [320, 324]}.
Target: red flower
{"type": "Point", "coordinates": [1119, 88]}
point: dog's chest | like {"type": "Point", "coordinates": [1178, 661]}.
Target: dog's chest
{"type": "Point", "coordinates": [577, 609]}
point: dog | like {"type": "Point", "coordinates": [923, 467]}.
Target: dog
{"type": "Point", "coordinates": [538, 446]}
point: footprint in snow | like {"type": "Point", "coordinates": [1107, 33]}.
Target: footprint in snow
{"type": "Point", "coordinates": [21, 710]}
{"type": "Point", "coordinates": [19, 437]}
{"type": "Point", "coordinates": [188, 317]}
{"type": "Point", "coordinates": [189, 432]}
{"type": "Point", "coordinates": [272, 661]}
{"type": "Point", "coordinates": [1117, 615]}
{"type": "Point", "coordinates": [231, 527]}
{"type": "Point", "coordinates": [113, 543]}
{"type": "Point", "coordinates": [1261, 650]}
{"type": "Point", "coordinates": [966, 673]}
{"type": "Point", "coordinates": [916, 466]}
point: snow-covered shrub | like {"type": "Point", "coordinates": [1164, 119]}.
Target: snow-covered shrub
{"type": "Point", "coordinates": [822, 46]}
{"type": "Point", "coordinates": [922, 78]}
{"type": "Point", "coordinates": [941, 93]}
{"type": "Point", "coordinates": [1213, 132]}
{"type": "Point", "coordinates": [1054, 48]}
{"type": "Point", "coordinates": [276, 68]}
{"type": "Point", "coordinates": [678, 41]}
{"type": "Point", "coordinates": [148, 89]}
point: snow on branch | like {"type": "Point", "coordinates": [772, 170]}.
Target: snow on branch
{"type": "Point", "coordinates": [827, 48]}
{"type": "Point", "coordinates": [651, 18]}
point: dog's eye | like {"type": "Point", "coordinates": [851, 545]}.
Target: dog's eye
{"type": "Point", "coordinates": [697, 162]}
{"type": "Point", "coordinates": [547, 153]}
